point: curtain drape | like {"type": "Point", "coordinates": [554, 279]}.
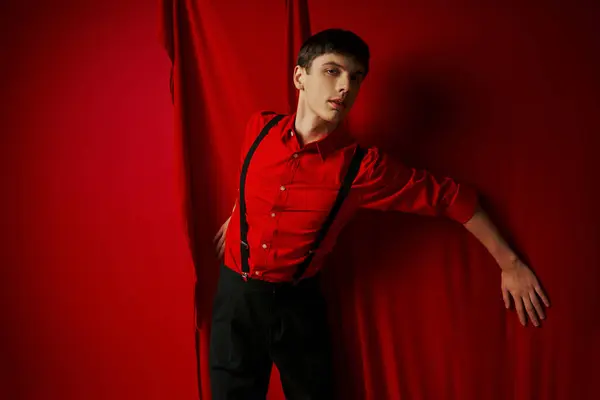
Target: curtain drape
{"type": "Point", "coordinates": [503, 96]}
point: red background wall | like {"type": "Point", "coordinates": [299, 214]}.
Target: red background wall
{"type": "Point", "coordinates": [95, 279]}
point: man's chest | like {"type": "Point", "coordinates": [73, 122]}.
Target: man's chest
{"type": "Point", "coordinates": [288, 178]}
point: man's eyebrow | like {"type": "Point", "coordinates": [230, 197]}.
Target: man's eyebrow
{"type": "Point", "coordinates": [333, 63]}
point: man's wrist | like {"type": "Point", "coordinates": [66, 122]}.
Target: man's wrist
{"type": "Point", "coordinates": [505, 257]}
{"type": "Point", "coordinates": [484, 230]}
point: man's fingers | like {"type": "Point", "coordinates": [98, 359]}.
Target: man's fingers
{"type": "Point", "coordinates": [221, 243]}
{"type": "Point", "coordinates": [220, 246]}
{"type": "Point", "coordinates": [537, 305]}
{"type": "Point", "coordinates": [218, 235]}
{"type": "Point", "coordinates": [520, 309]}
{"type": "Point", "coordinates": [221, 231]}
{"type": "Point", "coordinates": [530, 310]}
{"type": "Point", "coordinates": [506, 298]}
{"type": "Point", "coordinates": [542, 295]}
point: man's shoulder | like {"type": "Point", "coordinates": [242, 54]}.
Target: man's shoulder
{"type": "Point", "coordinates": [375, 157]}
{"type": "Point", "coordinates": [265, 115]}
{"type": "Point", "coordinates": [259, 119]}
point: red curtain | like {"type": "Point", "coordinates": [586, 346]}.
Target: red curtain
{"type": "Point", "coordinates": [503, 96]}
{"type": "Point", "coordinates": [95, 275]}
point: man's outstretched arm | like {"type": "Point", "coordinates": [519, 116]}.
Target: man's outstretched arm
{"type": "Point", "coordinates": [518, 280]}
{"type": "Point", "coordinates": [389, 185]}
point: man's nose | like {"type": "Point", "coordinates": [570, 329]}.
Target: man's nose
{"type": "Point", "coordinates": [343, 84]}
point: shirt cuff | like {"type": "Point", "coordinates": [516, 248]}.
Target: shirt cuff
{"type": "Point", "coordinates": [463, 206]}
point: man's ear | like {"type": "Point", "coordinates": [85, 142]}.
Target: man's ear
{"type": "Point", "coordinates": [299, 77]}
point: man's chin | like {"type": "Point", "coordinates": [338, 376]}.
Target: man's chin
{"type": "Point", "coordinates": [334, 116]}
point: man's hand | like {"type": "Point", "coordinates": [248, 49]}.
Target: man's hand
{"type": "Point", "coordinates": [520, 282]}
{"type": "Point", "coordinates": [219, 239]}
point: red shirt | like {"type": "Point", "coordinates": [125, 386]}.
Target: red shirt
{"type": "Point", "coordinates": [291, 189]}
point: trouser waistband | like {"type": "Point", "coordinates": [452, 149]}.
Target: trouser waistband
{"type": "Point", "coordinates": [233, 277]}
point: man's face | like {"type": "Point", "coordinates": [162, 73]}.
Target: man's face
{"type": "Point", "coordinates": [330, 86]}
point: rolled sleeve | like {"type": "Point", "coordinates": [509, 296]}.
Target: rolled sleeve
{"type": "Point", "coordinates": [389, 185]}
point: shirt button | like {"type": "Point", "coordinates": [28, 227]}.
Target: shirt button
{"type": "Point", "coordinates": [264, 246]}
{"type": "Point", "coordinates": [291, 133]}
{"type": "Point", "coordinates": [295, 155]}
{"type": "Point", "coordinates": [257, 273]}
{"type": "Point", "coordinates": [273, 215]}
{"type": "Point", "coordinates": [282, 188]}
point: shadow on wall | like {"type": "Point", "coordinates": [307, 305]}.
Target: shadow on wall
{"type": "Point", "coordinates": [432, 116]}
{"type": "Point", "coordinates": [424, 107]}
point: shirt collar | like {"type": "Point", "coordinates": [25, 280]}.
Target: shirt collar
{"type": "Point", "coordinates": [335, 140]}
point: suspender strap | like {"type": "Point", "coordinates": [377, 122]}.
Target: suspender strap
{"type": "Point", "coordinates": [341, 196]}
{"type": "Point", "coordinates": [245, 248]}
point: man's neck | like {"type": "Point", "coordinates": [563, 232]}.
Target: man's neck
{"type": "Point", "coordinates": [310, 127]}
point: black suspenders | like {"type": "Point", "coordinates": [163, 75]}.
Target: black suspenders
{"type": "Point", "coordinates": [244, 247]}
{"type": "Point", "coordinates": [341, 196]}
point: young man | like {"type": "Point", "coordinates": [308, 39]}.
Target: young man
{"type": "Point", "coordinates": [302, 179]}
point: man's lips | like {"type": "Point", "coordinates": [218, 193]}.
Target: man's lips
{"type": "Point", "coordinates": [337, 104]}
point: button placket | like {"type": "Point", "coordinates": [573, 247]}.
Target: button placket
{"type": "Point", "coordinates": [268, 252]}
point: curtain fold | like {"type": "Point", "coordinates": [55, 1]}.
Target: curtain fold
{"type": "Point", "coordinates": [297, 31]}
{"type": "Point", "coordinates": [486, 96]}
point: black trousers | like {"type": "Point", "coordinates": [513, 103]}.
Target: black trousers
{"type": "Point", "coordinates": [256, 324]}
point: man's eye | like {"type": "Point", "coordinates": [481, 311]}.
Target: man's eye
{"type": "Point", "coordinates": [331, 71]}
